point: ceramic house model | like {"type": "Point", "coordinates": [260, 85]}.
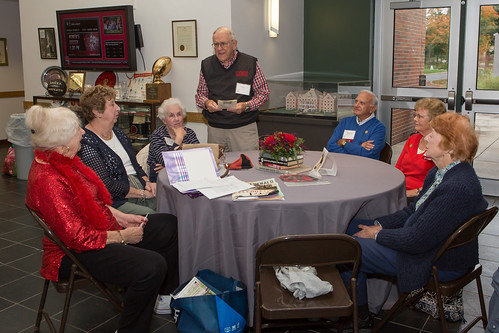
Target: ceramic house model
{"type": "Point", "coordinates": [312, 101]}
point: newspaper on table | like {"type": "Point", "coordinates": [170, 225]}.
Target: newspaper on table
{"type": "Point", "coordinates": [194, 288]}
{"type": "Point", "coordinates": [267, 189]}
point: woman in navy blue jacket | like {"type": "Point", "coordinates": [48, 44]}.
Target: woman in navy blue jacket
{"type": "Point", "coordinates": [403, 244]}
{"type": "Point", "coordinates": [107, 150]}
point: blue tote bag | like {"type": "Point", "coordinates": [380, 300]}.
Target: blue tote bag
{"type": "Point", "coordinates": [224, 312]}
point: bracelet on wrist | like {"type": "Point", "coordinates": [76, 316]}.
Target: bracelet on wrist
{"type": "Point", "coordinates": [143, 195]}
{"type": "Point", "coordinates": [121, 236]}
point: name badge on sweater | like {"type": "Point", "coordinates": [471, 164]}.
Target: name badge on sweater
{"type": "Point", "coordinates": [243, 89]}
{"type": "Point", "coordinates": [169, 141]}
{"type": "Point", "coordinates": [348, 135]}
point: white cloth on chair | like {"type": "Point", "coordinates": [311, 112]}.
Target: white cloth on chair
{"type": "Point", "coordinates": [302, 281]}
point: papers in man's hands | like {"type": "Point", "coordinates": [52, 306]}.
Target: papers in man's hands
{"type": "Point", "coordinates": [267, 189]}
{"type": "Point", "coordinates": [194, 288]}
{"type": "Point", "coordinates": [195, 170]}
{"type": "Point", "coordinates": [228, 104]}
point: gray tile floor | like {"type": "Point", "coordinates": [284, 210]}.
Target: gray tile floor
{"type": "Point", "coordinates": [21, 284]}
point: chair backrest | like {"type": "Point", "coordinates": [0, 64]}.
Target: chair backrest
{"type": "Point", "coordinates": [216, 149]}
{"type": "Point", "coordinates": [468, 232]}
{"type": "Point", "coordinates": [142, 158]}
{"type": "Point", "coordinates": [310, 250]}
{"type": "Point", "coordinates": [386, 154]}
{"type": "Point", "coordinates": [54, 239]}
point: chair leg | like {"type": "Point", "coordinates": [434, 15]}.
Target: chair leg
{"type": "Point", "coordinates": [69, 293]}
{"type": "Point", "coordinates": [257, 324]}
{"type": "Point", "coordinates": [401, 302]}
{"type": "Point", "coordinates": [482, 302]}
{"type": "Point", "coordinates": [42, 305]}
{"type": "Point", "coordinates": [483, 316]}
{"type": "Point", "coordinates": [443, 321]}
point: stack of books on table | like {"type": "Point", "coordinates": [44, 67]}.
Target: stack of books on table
{"type": "Point", "coordinates": [283, 163]}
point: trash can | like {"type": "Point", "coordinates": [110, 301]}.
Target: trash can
{"type": "Point", "coordinates": [19, 135]}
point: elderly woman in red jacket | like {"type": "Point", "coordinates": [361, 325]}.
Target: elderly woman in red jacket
{"type": "Point", "coordinates": [413, 161]}
{"type": "Point", "coordinates": [75, 204]}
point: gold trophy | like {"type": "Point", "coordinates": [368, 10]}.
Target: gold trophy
{"type": "Point", "coordinates": [158, 91]}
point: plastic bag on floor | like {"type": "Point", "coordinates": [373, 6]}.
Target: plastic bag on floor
{"type": "Point", "coordinates": [9, 166]}
{"type": "Point", "coordinates": [226, 310]}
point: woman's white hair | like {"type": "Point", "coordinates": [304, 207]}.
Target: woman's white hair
{"type": "Point", "coordinates": [166, 104]}
{"type": "Point", "coordinates": [51, 127]}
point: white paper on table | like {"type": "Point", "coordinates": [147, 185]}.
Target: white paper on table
{"type": "Point", "coordinates": [318, 169]}
{"type": "Point", "coordinates": [224, 186]}
{"type": "Point", "coordinates": [189, 165]}
{"type": "Point", "coordinates": [332, 171]}
{"type": "Point", "coordinates": [213, 188]}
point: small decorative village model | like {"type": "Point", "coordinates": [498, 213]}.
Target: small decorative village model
{"type": "Point", "coordinates": [314, 101]}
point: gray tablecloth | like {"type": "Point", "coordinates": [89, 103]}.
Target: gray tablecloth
{"type": "Point", "coordinates": [224, 236]}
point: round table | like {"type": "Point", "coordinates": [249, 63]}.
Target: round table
{"type": "Point", "coordinates": [224, 235]}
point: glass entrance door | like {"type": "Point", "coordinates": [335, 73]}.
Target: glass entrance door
{"type": "Point", "coordinates": [481, 87]}
{"type": "Point", "coordinates": [426, 49]}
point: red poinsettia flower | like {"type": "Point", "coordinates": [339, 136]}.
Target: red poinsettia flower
{"type": "Point", "coordinates": [282, 144]}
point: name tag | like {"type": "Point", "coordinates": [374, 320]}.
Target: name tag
{"type": "Point", "coordinates": [169, 141]}
{"type": "Point", "coordinates": [348, 135]}
{"type": "Point", "coordinates": [243, 89]}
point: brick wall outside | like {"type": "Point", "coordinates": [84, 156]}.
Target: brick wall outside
{"type": "Point", "coordinates": [402, 125]}
{"type": "Point", "coordinates": [409, 47]}
{"type": "Point", "coordinates": [408, 64]}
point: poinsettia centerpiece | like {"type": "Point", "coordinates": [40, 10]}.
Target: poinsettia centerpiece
{"type": "Point", "coordinates": [281, 146]}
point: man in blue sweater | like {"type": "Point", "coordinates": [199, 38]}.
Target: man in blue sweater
{"type": "Point", "coordinates": [361, 134]}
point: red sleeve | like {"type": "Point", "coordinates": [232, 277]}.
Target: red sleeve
{"type": "Point", "coordinates": [61, 210]}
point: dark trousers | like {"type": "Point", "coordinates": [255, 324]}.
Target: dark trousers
{"type": "Point", "coordinates": [378, 259]}
{"type": "Point", "coordinates": [147, 269]}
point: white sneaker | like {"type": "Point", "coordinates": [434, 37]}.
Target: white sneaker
{"type": "Point", "coordinates": [163, 305]}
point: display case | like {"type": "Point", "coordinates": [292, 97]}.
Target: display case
{"type": "Point", "coordinates": [309, 108]}
{"type": "Point", "coordinates": [137, 119]}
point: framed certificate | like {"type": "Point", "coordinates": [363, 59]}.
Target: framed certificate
{"type": "Point", "coordinates": [46, 39]}
{"type": "Point", "coordinates": [185, 38]}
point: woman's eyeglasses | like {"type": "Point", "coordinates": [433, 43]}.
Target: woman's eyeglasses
{"type": "Point", "coordinates": [417, 115]}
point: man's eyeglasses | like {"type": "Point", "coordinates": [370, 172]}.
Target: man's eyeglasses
{"type": "Point", "coordinates": [222, 44]}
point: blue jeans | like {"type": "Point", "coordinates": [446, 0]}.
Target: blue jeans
{"type": "Point", "coordinates": [378, 259]}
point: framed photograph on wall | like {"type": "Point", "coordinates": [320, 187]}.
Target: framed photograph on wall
{"type": "Point", "coordinates": [46, 38]}
{"type": "Point", "coordinates": [185, 38]}
{"type": "Point", "coordinates": [4, 59]}
{"type": "Point", "coordinates": [76, 82]}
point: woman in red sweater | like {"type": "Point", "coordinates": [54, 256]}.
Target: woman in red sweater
{"type": "Point", "coordinates": [413, 161]}
{"type": "Point", "coordinates": [121, 249]}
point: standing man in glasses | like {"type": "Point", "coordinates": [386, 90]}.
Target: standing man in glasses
{"type": "Point", "coordinates": [231, 89]}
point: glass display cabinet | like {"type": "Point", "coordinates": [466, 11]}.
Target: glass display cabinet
{"type": "Point", "coordinates": [310, 109]}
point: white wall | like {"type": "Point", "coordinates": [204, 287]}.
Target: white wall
{"type": "Point", "coordinates": [276, 56]}
{"type": "Point", "coordinates": [11, 76]}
